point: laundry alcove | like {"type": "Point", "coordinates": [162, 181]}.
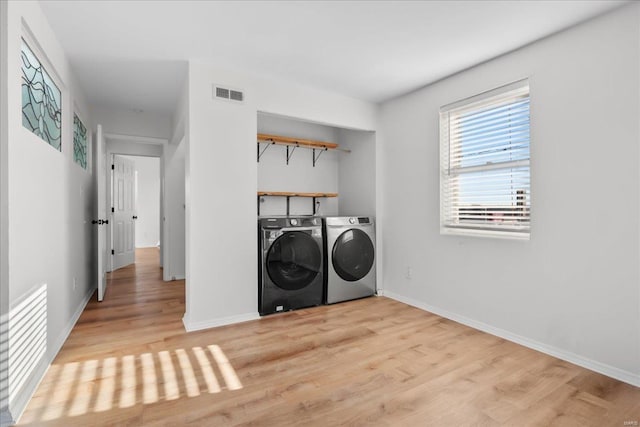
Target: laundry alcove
{"type": "Point", "coordinates": [305, 180]}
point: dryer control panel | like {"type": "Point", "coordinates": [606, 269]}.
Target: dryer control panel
{"type": "Point", "coordinates": [286, 222]}
{"type": "Point", "coordinates": [349, 220]}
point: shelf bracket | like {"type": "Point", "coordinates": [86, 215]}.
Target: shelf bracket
{"type": "Point", "coordinates": [260, 153]}
{"type": "Point", "coordinates": [315, 158]}
{"type": "Point", "coordinates": [291, 154]}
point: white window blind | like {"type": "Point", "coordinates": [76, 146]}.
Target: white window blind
{"type": "Point", "coordinates": [484, 164]}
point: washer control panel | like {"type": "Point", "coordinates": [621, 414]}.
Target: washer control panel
{"type": "Point", "coordinates": [304, 221]}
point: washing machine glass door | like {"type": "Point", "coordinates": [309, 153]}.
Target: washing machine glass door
{"type": "Point", "coordinates": [294, 260]}
{"type": "Point", "coordinates": [353, 255]}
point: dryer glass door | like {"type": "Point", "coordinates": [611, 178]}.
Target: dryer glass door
{"type": "Point", "coordinates": [294, 260]}
{"type": "Point", "coordinates": [353, 255]}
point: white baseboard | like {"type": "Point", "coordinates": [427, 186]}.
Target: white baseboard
{"type": "Point", "coordinates": [576, 359]}
{"type": "Point", "coordinates": [62, 337]}
{"type": "Point", "coordinates": [20, 402]}
{"type": "Point", "coordinates": [167, 276]}
{"type": "Point", "coordinates": [221, 321]}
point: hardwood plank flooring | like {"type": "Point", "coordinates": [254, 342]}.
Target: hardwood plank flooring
{"type": "Point", "coordinates": [374, 361]}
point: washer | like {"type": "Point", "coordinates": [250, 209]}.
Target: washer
{"type": "Point", "coordinates": [350, 258]}
{"type": "Point", "coordinates": [291, 264]}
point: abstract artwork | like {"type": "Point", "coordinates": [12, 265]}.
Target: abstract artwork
{"type": "Point", "coordinates": [41, 100]}
{"type": "Point", "coordinates": [79, 142]}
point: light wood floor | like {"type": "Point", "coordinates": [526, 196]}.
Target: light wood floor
{"type": "Point", "coordinates": [374, 361]}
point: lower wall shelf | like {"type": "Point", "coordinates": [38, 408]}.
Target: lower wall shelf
{"type": "Point", "coordinates": [289, 194]}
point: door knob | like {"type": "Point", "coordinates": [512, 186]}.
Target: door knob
{"type": "Point", "coordinates": [135, 217]}
{"type": "Point", "coordinates": [100, 221]}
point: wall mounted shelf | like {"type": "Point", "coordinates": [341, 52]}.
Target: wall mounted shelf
{"type": "Point", "coordinates": [289, 194]}
{"type": "Point", "coordinates": [293, 143]}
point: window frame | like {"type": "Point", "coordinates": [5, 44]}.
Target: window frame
{"type": "Point", "coordinates": [47, 69]}
{"type": "Point", "coordinates": [76, 114]}
{"type": "Point", "coordinates": [449, 221]}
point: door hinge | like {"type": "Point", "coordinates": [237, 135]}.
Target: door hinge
{"type": "Point", "coordinates": [113, 252]}
{"type": "Point", "coordinates": [112, 210]}
{"type": "Point", "coordinates": [113, 167]}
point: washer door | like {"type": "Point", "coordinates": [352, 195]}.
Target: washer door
{"type": "Point", "coordinates": [353, 255]}
{"type": "Point", "coordinates": [294, 260]}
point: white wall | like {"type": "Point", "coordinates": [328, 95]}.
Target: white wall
{"type": "Point", "coordinates": [357, 172]}
{"type": "Point", "coordinates": [50, 200]}
{"type": "Point", "coordinates": [573, 289]}
{"type": "Point", "coordinates": [147, 200]}
{"type": "Point", "coordinates": [174, 267]}
{"type": "Point", "coordinates": [5, 416]}
{"type": "Point", "coordinates": [222, 181]}
{"type": "Point", "coordinates": [274, 174]}
{"type": "Point", "coordinates": [133, 123]}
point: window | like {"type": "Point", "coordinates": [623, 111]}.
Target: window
{"type": "Point", "coordinates": [79, 142]}
{"type": "Point", "coordinates": [41, 100]}
{"type": "Point", "coordinates": [484, 164]}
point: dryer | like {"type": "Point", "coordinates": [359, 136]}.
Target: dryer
{"type": "Point", "coordinates": [291, 264]}
{"type": "Point", "coordinates": [350, 258]}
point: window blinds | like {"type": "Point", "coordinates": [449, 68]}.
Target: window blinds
{"type": "Point", "coordinates": [485, 176]}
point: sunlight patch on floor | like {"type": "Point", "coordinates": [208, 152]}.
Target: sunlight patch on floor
{"type": "Point", "coordinates": [128, 393]}
{"type": "Point", "coordinates": [102, 385]}
{"type": "Point", "coordinates": [107, 385]}
{"type": "Point", "coordinates": [229, 374]}
{"type": "Point", "coordinates": [207, 371]}
{"type": "Point", "coordinates": [150, 381]}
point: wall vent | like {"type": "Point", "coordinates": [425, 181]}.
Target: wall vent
{"type": "Point", "coordinates": [221, 92]}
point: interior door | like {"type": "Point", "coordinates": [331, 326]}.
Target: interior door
{"type": "Point", "coordinates": [101, 193]}
{"type": "Point", "coordinates": [123, 212]}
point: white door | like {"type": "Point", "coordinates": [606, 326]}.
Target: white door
{"type": "Point", "coordinates": [123, 212]}
{"type": "Point", "coordinates": [100, 179]}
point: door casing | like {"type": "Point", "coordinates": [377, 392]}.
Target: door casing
{"type": "Point", "coordinates": [128, 145]}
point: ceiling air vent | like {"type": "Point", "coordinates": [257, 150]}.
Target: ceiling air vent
{"type": "Point", "coordinates": [220, 92]}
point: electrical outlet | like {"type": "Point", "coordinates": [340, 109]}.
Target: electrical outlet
{"type": "Point", "coordinates": [409, 274]}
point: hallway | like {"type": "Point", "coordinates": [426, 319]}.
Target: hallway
{"type": "Point", "coordinates": [91, 376]}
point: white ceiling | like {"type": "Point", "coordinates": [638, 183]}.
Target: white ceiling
{"type": "Point", "coordinates": [132, 54]}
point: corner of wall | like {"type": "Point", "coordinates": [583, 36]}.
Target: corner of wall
{"type": "Point", "coordinates": [5, 414]}
{"type": "Point", "coordinates": [611, 371]}
{"type": "Point", "coordinates": [190, 326]}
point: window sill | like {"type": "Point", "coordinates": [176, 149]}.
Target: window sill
{"type": "Point", "coordinates": [494, 234]}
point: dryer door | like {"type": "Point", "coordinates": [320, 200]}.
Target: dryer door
{"type": "Point", "coordinates": [353, 255]}
{"type": "Point", "coordinates": [294, 260]}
